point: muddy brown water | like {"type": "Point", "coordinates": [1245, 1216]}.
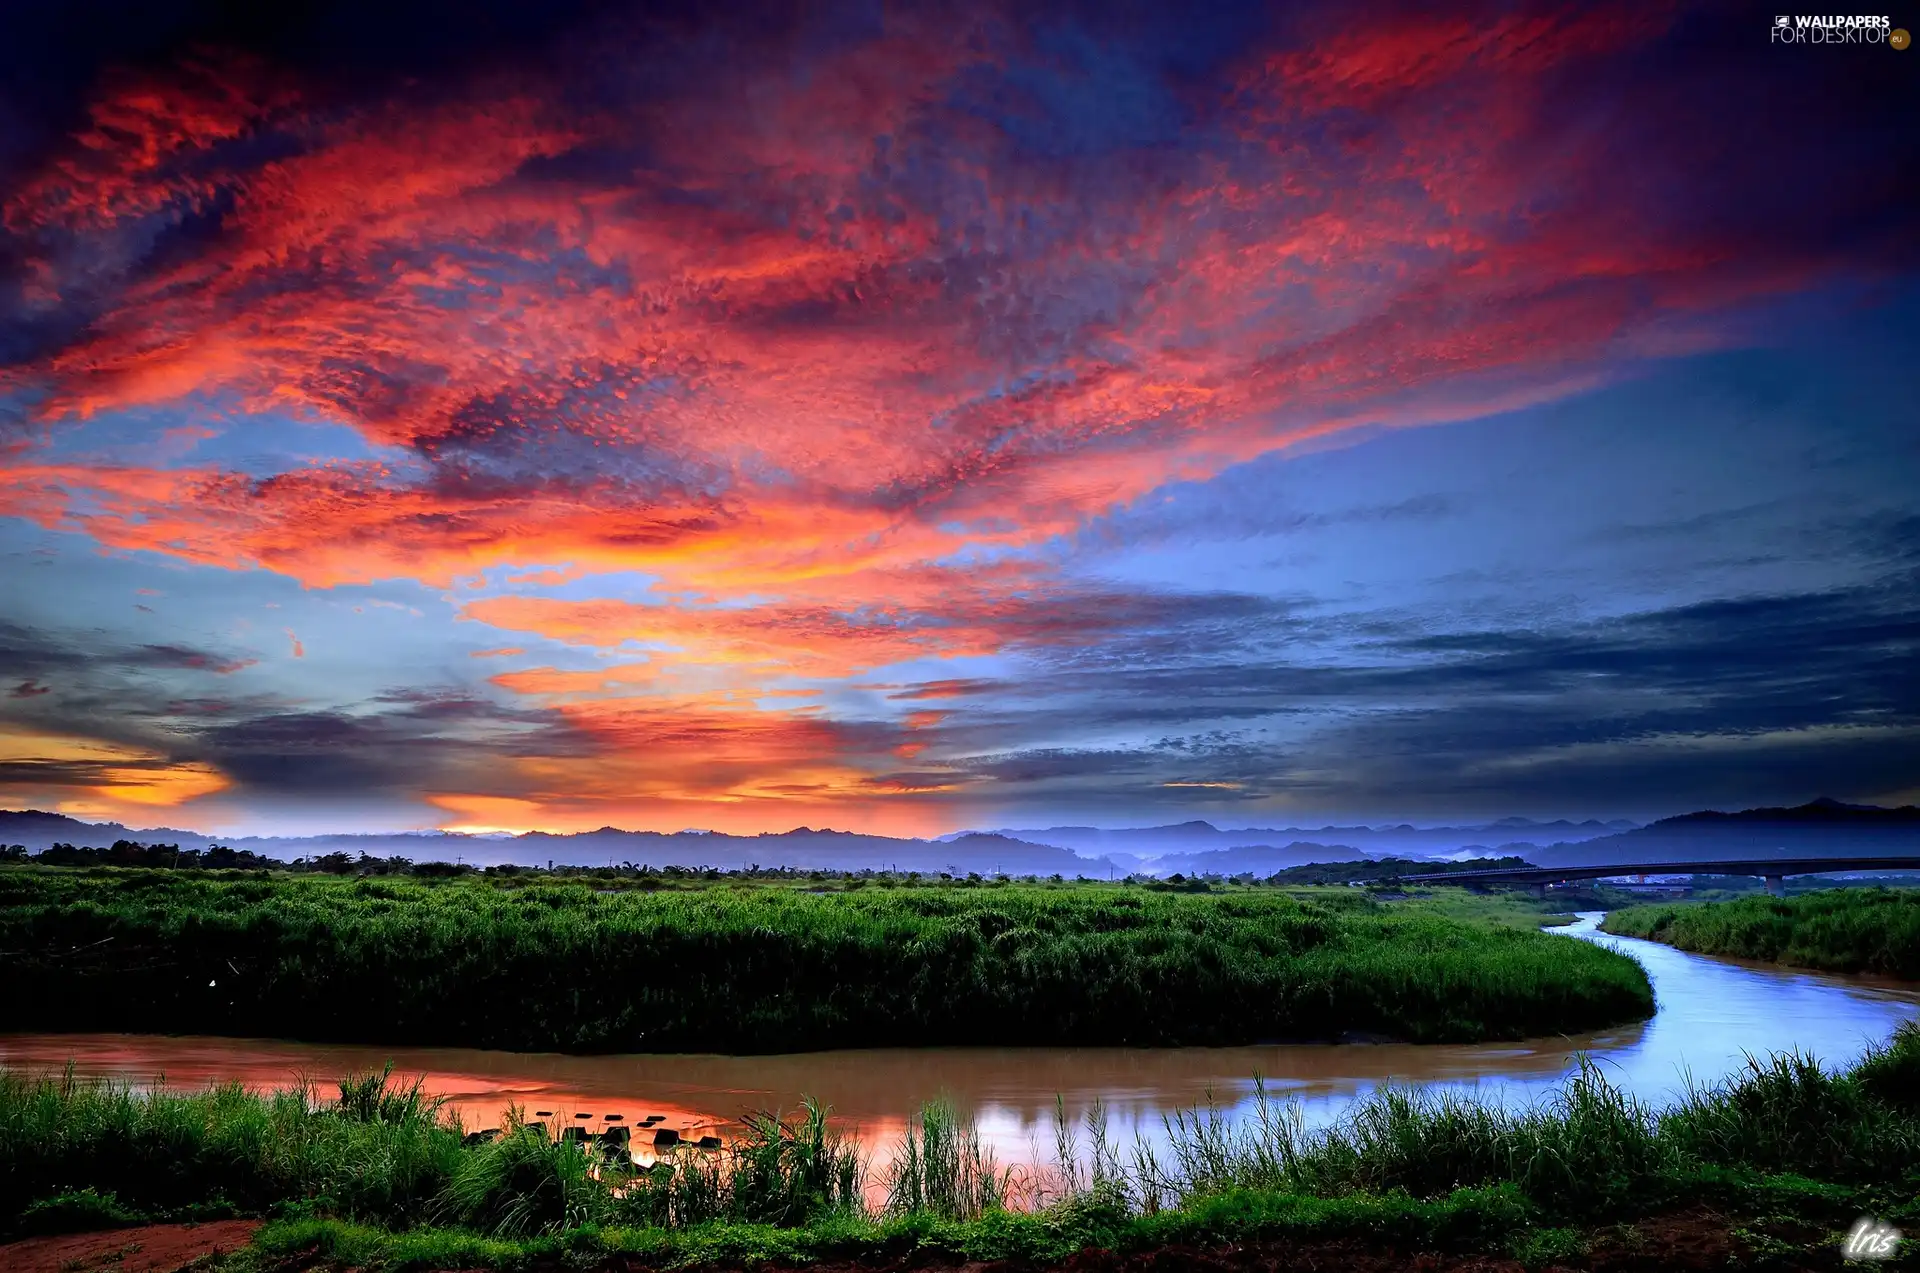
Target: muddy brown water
{"type": "Point", "coordinates": [1711, 1013]}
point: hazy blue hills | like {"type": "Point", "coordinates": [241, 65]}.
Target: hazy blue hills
{"type": "Point", "coordinates": [1146, 844]}
{"type": "Point", "coordinates": [1193, 848]}
{"type": "Point", "coordinates": [1255, 859]}
{"type": "Point", "coordinates": [37, 830]}
{"type": "Point", "coordinates": [1819, 828]}
{"type": "Point", "coordinates": [802, 847]}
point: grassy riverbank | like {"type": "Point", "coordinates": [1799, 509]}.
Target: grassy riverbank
{"type": "Point", "coordinates": [1785, 1154]}
{"type": "Point", "coordinates": [532, 966]}
{"type": "Point", "coordinates": [1874, 930]}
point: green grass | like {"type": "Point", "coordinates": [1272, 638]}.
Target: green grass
{"type": "Point", "coordinates": [1782, 1147]}
{"type": "Point", "coordinates": [1875, 930]}
{"type": "Point", "coordinates": [490, 963]}
{"type": "Point", "coordinates": [942, 1169]}
{"type": "Point", "coordinates": [1498, 906]}
{"type": "Point", "coordinates": [1507, 909]}
{"type": "Point", "coordinates": [221, 1151]}
{"type": "Point", "coordinates": [1465, 1220]}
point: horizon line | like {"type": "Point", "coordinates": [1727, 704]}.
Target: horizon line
{"type": "Point", "coordinates": [500, 834]}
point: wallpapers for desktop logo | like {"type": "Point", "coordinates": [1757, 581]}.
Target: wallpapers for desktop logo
{"type": "Point", "coordinates": [1837, 29]}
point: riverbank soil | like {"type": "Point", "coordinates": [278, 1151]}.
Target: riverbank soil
{"type": "Point", "coordinates": [152, 1248]}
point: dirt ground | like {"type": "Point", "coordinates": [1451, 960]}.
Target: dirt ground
{"type": "Point", "coordinates": [153, 1248]}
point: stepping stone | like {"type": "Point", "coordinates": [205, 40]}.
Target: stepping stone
{"type": "Point", "coordinates": [665, 1136]}
{"type": "Point", "coordinates": [709, 1142]}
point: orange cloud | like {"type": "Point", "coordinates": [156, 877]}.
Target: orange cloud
{"type": "Point", "coordinates": [479, 815]}
{"type": "Point", "coordinates": [892, 374]}
{"type": "Point", "coordinates": [546, 680]}
{"type": "Point", "coordinates": [90, 777]}
{"type": "Point", "coordinates": [665, 762]}
{"type": "Point", "coordinates": [833, 336]}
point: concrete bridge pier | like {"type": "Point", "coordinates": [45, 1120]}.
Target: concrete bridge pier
{"type": "Point", "coordinates": [1776, 886]}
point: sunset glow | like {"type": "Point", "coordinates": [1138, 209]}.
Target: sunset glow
{"type": "Point", "coordinates": [899, 421]}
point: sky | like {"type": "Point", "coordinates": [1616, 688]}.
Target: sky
{"type": "Point", "coordinates": [900, 418]}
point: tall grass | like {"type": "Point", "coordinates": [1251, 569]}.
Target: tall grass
{"type": "Point", "coordinates": [223, 1147]}
{"type": "Point", "coordinates": [1590, 1151]}
{"type": "Point", "coordinates": [558, 966]}
{"type": "Point", "coordinates": [522, 1183]}
{"type": "Point", "coordinates": [376, 1098]}
{"type": "Point", "coordinates": [775, 1171]}
{"type": "Point", "coordinates": [942, 1168]}
{"type": "Point", "coordinates": [381, 1153]}
{"type": "Point", "coordinates": [1590, 1154]}
{"type": "Point", "coordinates": [1873, 930]}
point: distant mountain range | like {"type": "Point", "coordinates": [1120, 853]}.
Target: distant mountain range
{"type": "Point", "coordinates": [1819, 828]}
{"type": "Point", "coordinates": [1189, 843]}
{"type": "Point", "coordinates": [802, 847]}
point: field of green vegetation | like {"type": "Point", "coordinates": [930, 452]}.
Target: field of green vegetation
{"type": "Point", "coordinates": [509, 963]}
{"type": "Point", "coordinates": [1875, 930]}
{"type": "Point", "coordinates": [378, 1179]}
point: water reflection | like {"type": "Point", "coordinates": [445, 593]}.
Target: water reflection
{"type": "Point", "coordinates": [1711, 1012]}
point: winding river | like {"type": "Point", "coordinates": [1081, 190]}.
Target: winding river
{"type": "Point", "coordinates": [1712, 1012]}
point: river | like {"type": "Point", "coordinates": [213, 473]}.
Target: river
{"type": "Point", "coordinates": [1711, 1013]}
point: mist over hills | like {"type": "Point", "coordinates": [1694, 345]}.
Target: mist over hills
{"type": "Point", "coordinates": [1819, 828]}
{"type": "Point", "coordinates": [1191, 848]}
{"type": "Point", "coordinates": [803, 847]}
{"type": "Point", "coordinates": [1185, 846]}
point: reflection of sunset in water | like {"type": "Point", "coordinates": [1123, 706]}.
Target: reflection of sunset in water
{"type": "Point", "coordinates": [1711, 1011]}
{"type": "Point", "coordinates": [1010, 1091]}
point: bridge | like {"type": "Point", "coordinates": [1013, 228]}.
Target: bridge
{"type": "Point", "coordinates": [1773, 870]}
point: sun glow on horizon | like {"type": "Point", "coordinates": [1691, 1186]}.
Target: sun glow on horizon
{"type": "Point", "coordinates": [875, 419]}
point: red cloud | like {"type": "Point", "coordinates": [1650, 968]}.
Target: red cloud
{"type": "Point", "coordinates": [398, 273]}
{"type": "Point", "coordinates": [830, 334]}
